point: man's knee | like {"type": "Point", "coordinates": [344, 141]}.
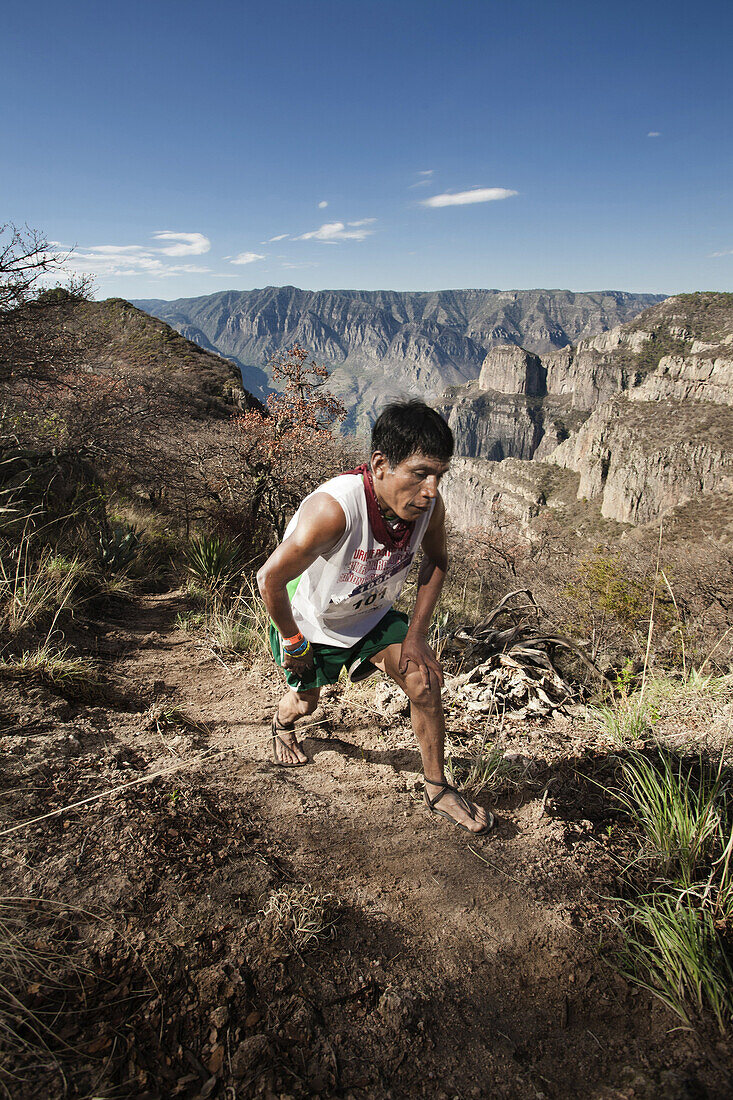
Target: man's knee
{"type": "Point", "coordinates": [305, 702]}
{"type": "Point", "coordinates": [420, 695]}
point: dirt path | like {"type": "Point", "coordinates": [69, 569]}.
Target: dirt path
{"type": "Point", "coordinates": [456, 969]}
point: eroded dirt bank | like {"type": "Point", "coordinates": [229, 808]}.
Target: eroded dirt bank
{"type": "Point", "coordinates": [455, 969]}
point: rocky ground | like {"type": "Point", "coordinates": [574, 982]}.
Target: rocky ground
{"type": "Point", "coordinates": [450, 968]}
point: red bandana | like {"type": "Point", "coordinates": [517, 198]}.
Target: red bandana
{"type": "Point", "coordinates": [395, 536]}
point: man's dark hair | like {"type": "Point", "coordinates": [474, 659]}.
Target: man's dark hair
{"type": "Point", "coordinates": [405, 427]}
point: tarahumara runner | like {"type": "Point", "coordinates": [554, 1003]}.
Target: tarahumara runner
{"type": "Point", "coordinates": [330, 587]}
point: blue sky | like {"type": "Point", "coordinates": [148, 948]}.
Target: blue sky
{"type": "Point", "coordinates": [563, 144]}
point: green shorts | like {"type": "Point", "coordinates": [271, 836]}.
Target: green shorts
{"type": "Point", "coordinates": [331, 659]}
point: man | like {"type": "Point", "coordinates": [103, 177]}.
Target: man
{"type": "Point", "coordinates": [330, 586]}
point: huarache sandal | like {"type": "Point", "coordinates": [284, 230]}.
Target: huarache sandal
{"type": "Point", "coordinates": [276, 738]}
{"type": "Point", "coordinates": [463, 802]}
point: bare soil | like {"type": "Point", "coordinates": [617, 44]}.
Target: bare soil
{"type": "Point", "coordinates": [455, 968]}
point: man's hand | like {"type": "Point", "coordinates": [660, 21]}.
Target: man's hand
{"type": "Point", "coordinates": [303, 667]}
{"type": "Point", "coordinates": [415, 650]}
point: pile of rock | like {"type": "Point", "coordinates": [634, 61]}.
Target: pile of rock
{"type": "Point", "coordinates": [520, 683]}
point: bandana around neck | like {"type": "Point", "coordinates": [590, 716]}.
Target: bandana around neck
{"type": "Point", "coordinates": [395, 536]}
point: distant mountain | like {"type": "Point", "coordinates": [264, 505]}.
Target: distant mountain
{"type": "Point", "coordinates": [381, 344]}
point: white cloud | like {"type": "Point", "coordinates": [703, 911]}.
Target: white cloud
{"type": "Point", "coordinates": [654, 133]}
{"type": "Point", "coordinates": [717, 255]}
{"type": "Point", "coordinates": [135, 260]}
{"type": "Point", "coordinates": [425, 180]}
{"type": "Point", "coordinates": [185, 244]}
{"type": "Point", "coordinates": [279, 237]}
{"type": "Point", "coordinates": [119, 249]}
{"type": "Point", "coordinates": [463, 198]}
{"type": "Point", "coordinates": [247, 258]}
{"type": "Point", "coordinates": [322, 205]}
{"type": "Point", "coordinates": [108, 261]}
{"type": "Point", "coordinates": [185, 269]}
{"type": "Point", "coordinates": [332, 232]}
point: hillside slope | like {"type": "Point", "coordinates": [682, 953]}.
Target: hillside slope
{"type": "Point", "coordinates": [116, 335]}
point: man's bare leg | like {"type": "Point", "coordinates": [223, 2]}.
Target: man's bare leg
{"type": "Point", "coordinates": [428, 723]}
{"type": "Point", "coordinates": [292, 706]}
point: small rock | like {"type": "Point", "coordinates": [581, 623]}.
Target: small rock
{"type": "Point", "coordinates": [219, 1016]}
{"type": "Point", "coordinates": [395, 1008]}
{"type": "Point", "coordinates": [391, 700]}
{"type": "Point", "coordinates": [249, 1054]}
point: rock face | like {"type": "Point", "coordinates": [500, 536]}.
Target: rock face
{"type": "Point", "coordinates": [382, 344]}
{"type": "Point", "coordinates": [669, 438]}
{"type": "Point", "coordinates": [643, 415]}
{"type": "Point", "coordinates": [489, 424]}
{"type": "Point", "coordinates": [642, 458]}
{"type": "Point", "coordinates": [478, 493]}
{"type": "Point", "coordinates": [697, 378]}
{"type": "Point", "coordinates": [511, 369]}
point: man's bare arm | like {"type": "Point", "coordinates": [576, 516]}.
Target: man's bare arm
{"type": "Point", "coordinates": [320, 527]}
{"type": "Point", "coordinates": [431, 577]}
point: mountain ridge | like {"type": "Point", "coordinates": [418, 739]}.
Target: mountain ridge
{"type": "Point", "coordinates": [382, 344]}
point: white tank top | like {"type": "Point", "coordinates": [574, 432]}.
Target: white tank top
{"type": "Point", "coordinates": [339, 599]}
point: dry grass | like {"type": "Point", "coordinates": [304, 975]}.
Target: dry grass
{"type": "Point", "coordinates": [299, 915]}
{"type": "Point", "coordinates": [483, 766]}
{"type": "Point", "coordinates": [45, 978]}
{"type": "Point", "coordinates": [34, 589]}
{"type": "Point", "coordinates": [73, 677]}
{"type": "Point", "coordinates": [164, 716]}
{"type": "Point", "coordinates": [693, 710]}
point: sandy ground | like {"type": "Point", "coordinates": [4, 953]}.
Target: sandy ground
{"type": "Point", "coordinates": [454, 968]}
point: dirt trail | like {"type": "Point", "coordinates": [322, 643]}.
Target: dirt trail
{"type": "Point", "coordinates": [456, 968]}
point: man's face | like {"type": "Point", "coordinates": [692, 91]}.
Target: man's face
{"type": "Point", "coordinates": [409, 489]}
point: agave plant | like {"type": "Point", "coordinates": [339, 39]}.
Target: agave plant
{"type": "Point", "coordinates": [214, 560]}
{"type": "Point", "coordinates": [117, 551]}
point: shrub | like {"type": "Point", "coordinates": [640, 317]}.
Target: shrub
{"type": "Point", "coordinates": [117, 549]}
{"type": "Point", "coordinates": [214, 561]}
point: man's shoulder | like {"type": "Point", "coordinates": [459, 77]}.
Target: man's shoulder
{"type": "Point", "coordinates": [346, 485]}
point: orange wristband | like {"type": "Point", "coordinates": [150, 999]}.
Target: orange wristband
{"type": "Point", "coordinates": [295, 640]}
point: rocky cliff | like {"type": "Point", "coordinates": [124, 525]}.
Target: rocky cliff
{"type": "Point", "coordinates": [380, 344]}
{"type": "Point", "coordinates": [641, 458]}
{"type": "Point", "coordinates": [642, 414]}
{"type": "Point", "coordinates": [479, 493]}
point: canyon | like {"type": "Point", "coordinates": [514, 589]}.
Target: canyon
{"type": "Point", "coordinates": [640, 417]}
{"type": "Point", "coordinates": [384, 344]}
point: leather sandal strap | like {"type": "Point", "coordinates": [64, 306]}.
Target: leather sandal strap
{"type": "Point", "coordinates": [463, 801]}
{"type": "Point", "coordinates": [443, 788]}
